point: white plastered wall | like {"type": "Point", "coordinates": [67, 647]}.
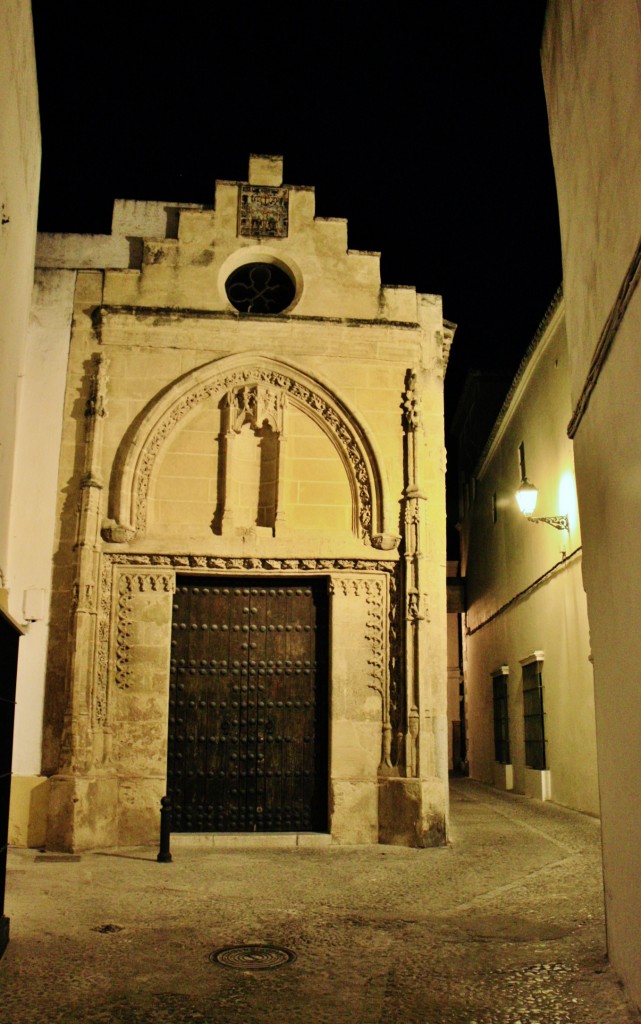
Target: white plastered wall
{"type": "Point", "coordinates": [591, 58]}
{"type": "Point", "coordinates": [32, 525]}
{"type": "Point", "coordinates": [510, 615]}
{"type": "Point", "coordinates": [19, 181]}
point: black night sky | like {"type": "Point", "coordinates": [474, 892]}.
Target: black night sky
{"type": "Point", "coordinates": [423, 124]}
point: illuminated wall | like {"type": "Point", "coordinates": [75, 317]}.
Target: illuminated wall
{"type": "Point", "coordinates": [524, 588]}
{"type": "Point", "coordinates": [591, 59]}
{"type": "Point", "coordinates": [243, 400]}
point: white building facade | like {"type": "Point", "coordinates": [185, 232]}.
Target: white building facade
{"type": "Point", "coordinates": [591, 59]}
{"type": "Point", "coordinates": [528, 674]}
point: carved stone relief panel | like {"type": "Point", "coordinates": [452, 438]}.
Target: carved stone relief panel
{"type": "Point", "coordinates": [271, 389]}
{"type": "Point", "coordinates": [130, 698]}
{"type": "Point", "coordinates": [263, 211]}
{"type": "Point", "coordinates": [360, 623]}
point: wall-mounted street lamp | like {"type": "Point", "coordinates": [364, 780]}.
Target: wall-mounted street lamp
{"type": "Point", "coordinates": [526, 498]}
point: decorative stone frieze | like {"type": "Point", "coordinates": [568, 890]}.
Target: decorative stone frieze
{"type": "Point", "coordinates": [231, 565]}
{"type": "Point", "coordinates": [124, 622]}
{"type": "Point", "coordinates": [256, 405]}
{"type": "Point", "coordinates": [263, 211]}
{"type": "Point", "coordinates": [101, 691]}
{"type": "Point", "coordinates": [249, 385]}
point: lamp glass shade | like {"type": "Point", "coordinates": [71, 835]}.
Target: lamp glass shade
{"type": "Point", "coordinates": [526, 497]}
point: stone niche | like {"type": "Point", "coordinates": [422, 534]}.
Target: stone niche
{"type": "Point", "coordinates": [207, 436]}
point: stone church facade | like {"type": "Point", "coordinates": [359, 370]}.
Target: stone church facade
{"type": "Point", "coordinates": [248, 604]}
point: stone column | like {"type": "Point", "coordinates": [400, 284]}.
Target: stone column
{"type": "Point", "coordinates": [70, 787]}
{"type": "Point", "coordinates": [228, 435]}
{"type": "Point", "coordinates": [281, 516]}
{"type": "Point", "coordinates": [412, 806]}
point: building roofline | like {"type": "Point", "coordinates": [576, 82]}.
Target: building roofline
{"type": "Point", "coordinates": [532, 348]}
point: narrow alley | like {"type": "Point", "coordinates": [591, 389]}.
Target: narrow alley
{"type": "Point", "coordinates": [504, 926]}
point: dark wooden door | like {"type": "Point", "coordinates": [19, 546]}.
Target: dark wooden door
{"type": "Point", "coordinates": [248, 706]}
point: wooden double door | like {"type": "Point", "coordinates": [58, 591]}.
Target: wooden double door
{"type": "Point", "coordinates": [248, 705]}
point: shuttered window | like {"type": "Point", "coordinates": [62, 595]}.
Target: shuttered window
{"type": "Point", "coordinates": [501, 722]}
{"type": "Point", "coordinates": [533, 715]}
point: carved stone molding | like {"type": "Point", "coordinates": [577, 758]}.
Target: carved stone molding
{"type": "Point", "coordinates": [375, 631]}
{"type": "Point", "coordinates": [95, 405]}
{"type": "Point", "coordinates": [101, 691]}
{"type": "Point", "coordinates": [273, 387]}
{"type": "Point", "coordinates": [378, 624]}
{"type": "Point", "coordinates": [412, 402]}
{"type": "Point", "coordinates": [115, 533]}
{"type": "Point", "coordinates": [229, 564]}
{"type": "Point", "coordinates": [396, 665]}
{"type": "Point", "coordinates": [385, 541]}
{"type": "Point", "coordinates": [377, 634]}
{"type": "Point", "coordinates": [145, 583]}
{"type": "Point", "coordinates": [355, 587]}
{"type": "Point", "coordinates": [256, 404]}
{"type": "Point", "coordinates": [130, 584]}
{"type": "Point", "coordinates": [124, 621]}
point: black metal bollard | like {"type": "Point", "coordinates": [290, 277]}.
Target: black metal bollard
{"type": "Point", "coordinates": [164, 854]}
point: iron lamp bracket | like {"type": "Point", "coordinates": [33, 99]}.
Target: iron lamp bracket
{"type": "Point", "coordinates": [558, 522]}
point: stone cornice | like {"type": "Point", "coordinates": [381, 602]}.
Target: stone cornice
{"type": "Point", "coordinates": [169, 313]}
{"type": "Point", "coordinates": [535, 349]}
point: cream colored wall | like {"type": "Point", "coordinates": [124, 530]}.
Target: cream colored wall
{"type": "Point", "coordinates": [34, 498]}
{"type": "Point", "coordinates": [591, 57]}
{"type": "Point", "coordinates": [154, 350]}
{"type": "Point", "coordinates": [32, 531]}
{"type": "Point", "coordinates": [316, 493]}
{"type": "Point", "coordinates": [143, 355]}
{"type": "Point", "coordinates": [189, 272]}
{"type": "Point", "coordinates": [504, 559]}
{"type": "Point", "coordinates": [186, 487]}
{"type": "Point", "coordinates": [19, 182]}
{"type": "Point", "coordinates": [27, 399]}
{"type": "Point", "coordinates": [554, 620]}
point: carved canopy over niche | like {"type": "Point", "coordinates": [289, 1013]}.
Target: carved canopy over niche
{"type": "Point", "coordinates": [249, 376]}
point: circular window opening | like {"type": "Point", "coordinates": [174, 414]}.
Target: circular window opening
{"type": "Point", "coordinates": [260, 288]}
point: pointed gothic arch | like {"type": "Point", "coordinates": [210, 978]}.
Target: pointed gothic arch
{"type": "Point", "coordinates": [232, 375]}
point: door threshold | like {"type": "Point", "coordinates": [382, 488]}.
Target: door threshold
{"type": "Point", "coordinates": [250, 840]}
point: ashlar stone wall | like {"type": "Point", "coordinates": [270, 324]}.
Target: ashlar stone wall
{"type": "Point", "coordinates": [205, 439]}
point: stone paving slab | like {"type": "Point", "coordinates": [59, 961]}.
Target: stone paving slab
{"type": "Point", "coordinates": [504, 926]}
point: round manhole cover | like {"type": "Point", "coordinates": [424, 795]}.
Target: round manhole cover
{"type": "Point", "coordinates": [252, 957]}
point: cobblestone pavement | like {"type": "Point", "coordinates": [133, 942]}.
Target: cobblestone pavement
{"type": "Point", "coordinates": [504, 926]}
